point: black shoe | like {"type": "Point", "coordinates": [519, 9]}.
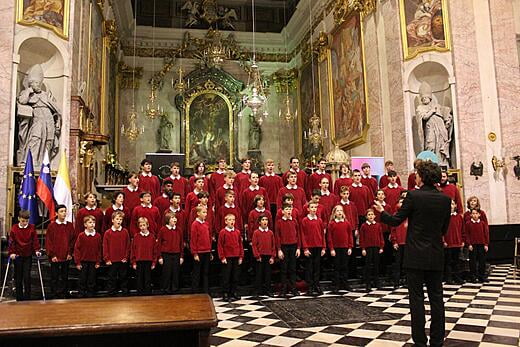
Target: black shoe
{"type": "Point", "coordinates": [318, 290]}
{"type": "Point", "coordinates": [295, 292]}
{"type": "Point", "coordinates": [225, 297]}
{"type": "Point", "coordinates": [235, 297]}
{"type": "Point", "coordinates": [396, 285]}
{"type": "Point", "coordinates": [367, 288]}
{"type": "Point", "coordinates": [347, 288]}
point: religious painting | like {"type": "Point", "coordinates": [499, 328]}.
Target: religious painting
{"type": "Point", "coordinates": [309, 102]}
{"type": "Point", "coordinates": [424, 26]}
{"type": "Point", "coordinates": [95, 63]}
{"type": "Point", "coordinates": [50, 14]}
{"type": "Point", "coordinates": [209, 128]}
{"type": "Point", "coordinates": [349, 118]}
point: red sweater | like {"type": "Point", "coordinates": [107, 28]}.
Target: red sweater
{"type": "Point", "coordinates": [340, 234]}
{"type": "Point", "coordinates": [314, 179]}
{"type": "Point", "coordinates": [107, 219]}
{"type": "Point", "coordinates": [248, 197]}
{"type": "Point", "coordinates": [272, 185]}
{"type": "Point", "coordinates": [350, 212]}
{"type": "Point", "coordinates": [149, 212]}
{"type": "Point", "coordinates": [230, 244]}
{"type": "Point", "coordinates": [116, 245]}
{"type": "Point", "coordinates": [263, 243]}
{"type": "Point", "coordinates": [242, 180]}
{"type": "Point", "coordinates": [88, 248]}
{"type": "Point", "coordinates": [313, 233]}
{"type": "Point", "coordinates": [97, 213]}
{"type": "Point", "coordinates": [216, 180]}
{"type": "Point", "coordinates": [200, 237]}
{"type": "Point", "coordinates": [59, 240]}
{"type": "Point", "coordinates": [370, 182]}
{"type": "Point", "coordinates": [411, 181]}
{"type": "Point", "coordinates": [192, 201]}
{"type": "Point", "coordinates": [398, 234]}
{"type": "Point", "coordinates": [170, 240]}
{"type": "Point", "coordinates": [182, 220]}
{"type": "Point", "coordinates": [299, 197]}
{"type": "Point", "coordinates": [371, 235]}
{"type": "Point", "coordinates": [362, 197]}
{"type": "Point", "coordinates": [181, 186]}
{"type": "Point", "coordinates": [389, 209]}
{"type": "Point", "coordinates": [320, 212]}
{"type": "Point", "coordinates": [144, 248]}
{"type": "Point", "coordinates": [341, 182]}
{"type": "Point", "coordinates": [150, 184]}
{"type": "Point", "coordinates": [483, 217]}
{"type": "Point", "coordinates": [297, 214]}
{"type": "Point", "coordinates": [383, 181]}
{"type": "Point", "coordinates": [328, 202]}
{"type": "Point", "coordinates": [192, 180]}
{"type": "Point", "coordinates": [252, 221]}
{"type": "Point", "coordinates": [132, 198]}
{"type": "Point", "coordinates": [220, 196]}
{"type": "Point", "coordinates": [477, 233]}
{"type": "Point", "coordinates": [455, 234]}
{"type": "Point", "coordinates": [162, 203]}
{"type": "Point", "coordinates": [210, 219]}
{"type": "Point", "coordinates": [453, 193]}
{"type": "Point", "coordinates": [301, 178]}
{"type": "Point", "coordinates": [223, 211]}
{"type": "Point", "coordinates": [287, 232]}
{"type": "Point", "coordinates": [392, 196]}
{"type": "Point", "coordinates": [23, 241]}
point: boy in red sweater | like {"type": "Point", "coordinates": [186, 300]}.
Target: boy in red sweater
{"type": "Point", "coordinates": [200, 172]}
{"type": "Point", "coordinates": [477, 233]}
{"type": "Point", "coordinates": [148, 211]}
{"type": "Point", "coordinates": [287, 237]}
{"type": "Point", "coordinates": [179, 184]}
{"type": "Point", "coordinates": [180, 214]}
{"type": "Point", "coordinates": [231, 254]}
{"type": "Point", "coordinates": [60, 246]}
{"type": "Point", "coordinates": [264, 251]}
{"type": "Point", "coordinates": [249, 194]}
{"type": "Point", "coordinates": [116, 252]}
{"type": "Point", "coordinates": [203, 199]}
{"type": "Point", "coordinates": [242, 178]}
{"type": "Point", "coordinates": [328, 199]}
{"type": "Point", "coordinates": [259, 210]}
{"type": "Point", "coordinates": [313, 244]}
{"type": "Point", "coordinates": [316, 197]}
{"type": "Point", "coordinates": [162, 202]}
{"type": "Point", "coordinates": [294, 167]}
{"type": "Point", "coordinates": [200, 245]}
{"type": "Point", "coordinates": [228, 207]}
{"type": "Point", "coordinates": [297, 192]}
{"type": "Point", "coordinates": [372, 244]}
{"type": "Point", "coordinates": [272, 184]}
{"type": "Point", "coordinates": [453, 243]}
{"type": "Point", "coordinates": [144, 256]}
{"type": "Point", "coordinates": [23, 242]}
{"type": "Point", "coordinates": [385, 179]}
{"type": "Point", "coordinates": [118, 204]}
{"type": "Point", "coordinates": [288, 199]}
{"type": "Point", "coordinates": [191, 198]}
{"type": "Point", "coordinates": [392, 190]}
{"type": "Point", "coordinates": [314, 179]}
{"type": "Point", "coordinates": [219, 198]}
{"type": "Point", "coordinates": [398, 240]}
{"type": "Point", "coordinates": [88, 256]}
{"type": "Point", "coordinates": [148, 182]}
{"type": "Point", "coordinates": [344, 180]}
{"type": "Point", "coordinates": [171, 245]}
{"type": "Point", "coordinates": [361, 195]}
{"type": "Point", "coordinates": [90, 209]}
{"type": "Point", "coordinates": [367, 179]}
{"type": "Point", "coordinates": [216, 179]}
{"type": "Point", "coordinates": [340, 245]}
{"type": "Point", "coordinates": [132, 192]}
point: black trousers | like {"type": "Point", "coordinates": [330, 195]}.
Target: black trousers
{"type": "Point", "coordinates": [477, 262]}
{"type": "Point", "coordinates": [59, 278]}
{"type": "Point", "coordinates": [433, 281]}
{"type": "Point", "coordinates": [263, 274]}
{"type": "Point", "coordinates": [288, 266]}
{"type": "Point", "coordinates": [230, 275]}
{"type": "Point", "coordinates": [398, 263]}
{"type": "Point", "coordinates": [170, 272]}
{"type": "Point", "coordinates": [371, 269]}
{"type": "Point", "coordinates": [117, 272]}
{"type": "Point", "coordinates": [200, 273]}
{"type": "Point", "coordinates": [22, 277]}
{"type": "Point", "coordinates": [312, 267]}
{"type": "Point", "coordinates": [341, 261]}
{"type": "Point", "coordinates": [143, 274]}
{"type": "Point", "coordinates": [451, 259]}
{"type": "Point", "coordinates": [87, 278]}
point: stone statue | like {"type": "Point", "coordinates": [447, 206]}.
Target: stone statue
{"type": "Point", "coordinates": [255, 134]}
{"type": "Point", "coordinates": [434, 125]}
{"type": "Point", "coordinates": [39, 119]}
{"type": "Point", "coordinates": [164, 134]}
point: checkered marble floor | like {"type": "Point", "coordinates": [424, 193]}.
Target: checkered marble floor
{"type": "Point", "coordinates": [476, 315]}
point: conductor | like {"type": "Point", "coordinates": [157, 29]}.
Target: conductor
{"type": "Point", "coordinates": [428, 214]}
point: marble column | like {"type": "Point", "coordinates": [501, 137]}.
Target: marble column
{"type": "Point", "coordinates": [7, 17]}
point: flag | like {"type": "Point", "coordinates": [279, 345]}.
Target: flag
{"type": "Point", "coordinates": [27, 196]}
{"type": "Point", "coordinates": [44, 185]}
{"type": "Point", "coordinates": [62, 190]}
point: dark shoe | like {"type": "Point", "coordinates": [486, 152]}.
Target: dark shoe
{"type": "Point", "coordinates": [396, 285]}
{"type": "Point", "coordinates": [485, 280]}
{"type": "Point", "coordinates": [225, 297]}
{"type": "Point", "coordinates": [269, 293]}
{"type": "Point", "coordinates": [347, 288]}
{"type": "Point", "coordinates": [295, 292]}
{"type": "Point", "coordinates": [367, 288]}
{"type": "Point", "coordinates": [235, 297]}
{"type": "Point", "coordinates": [318, 290]}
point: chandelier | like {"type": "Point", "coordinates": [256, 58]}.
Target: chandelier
{"type": "Point", "coordinates": [132, 131]}
{"type": "Point", "coordinates": [153, 107]}
{"type": "Point", "coordinates": [287, 114]}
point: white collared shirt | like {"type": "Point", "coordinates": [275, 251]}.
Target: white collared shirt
{"type": "Point", "coordinates": [175, 210]}
{"type": "Point", "coordinates": [312, 217]}
{"type": "Point", "coordinates": [283, 217]}
{"type": "Point", "coordinates": [263, 230]}
{"type": "Point", "coordinates": [291, 187]}
{"type": "Point", "coordinates": [319, 172]}
{"type": "Point", "coordinates": [327, 193]}
{"type": "Point", "coordinates": [227, 187]}
{"type": "Point", "coordinates": [144, 234]}
{"type": "Point", "coordinates": [229, 229]}
{"type": "Point", "coordinates": [246, 172]}
{"type": "Point", "coordinates": [171, 227]}
{"type": "Point", "coordinates": [25, 227]}
{"type": "Point", "coordinates": [229, 206]}
{"type": "Point", "coordinates": [357, 185]}
{"type": "Point", "coordinates": [339, 220]}
{"type": "Point", "coordinates": [147, 206]}
{"type": "Point", "coordinates": [345, 202]}
{"type": "Point", "coordinates": [178, 177]}
{"type": "Point", "coordinates": [344, 176]}
{"type": "Point", "coordinates": [91, 208]}
{"type": "Point", "coordinates": [270, 174]}
{"type": "Point", "coordinates": [260, 210]}
{"type": "Point", "coordinates": [393, 186]}
{"type": "Point", "coordinates": [58, 222]}
{"type": "Point", "coordinates": [251, 188]}
{"type": "Point", "coordinates": [200, 221]}
{"type": "Point", "coordinates": [475, 221]}
{"type": "Point", "coordinates": [195, 191]}
{"type": "Point", "coordinates": [115, 208]}
{"type": "Point", "coordinates": [368, 222]}
{"type": "Point", "coordinates": [454, 213]}
{"type": "Point", "coordinates": [295, 171]}
{"type": "Point", "coordinates": [164, 195]}
{"type": "Point", "coordinates": [88, 233]}
{"type": "Point", "coordinates": [146, 174]}
{"type": "Point", "coordinates": [365, 177]}
{"type": "Point", "coordinates": [220, 172]}
{"type": "Point", "coordinates": [383, 203]}
{"type": "Point", "coordinates": [131, 189]}
{"type": "Point", "coordinates": [118, 229]}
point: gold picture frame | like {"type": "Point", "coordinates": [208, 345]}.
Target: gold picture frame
{"type": "Point", "coordinates": [358, 131]}
{"type": "Point", "coordinates": [420, 28]}
{"type": "Point", "coordinates": [306, 96]}
{"type": "Point", "coordinates": [53, 16]}
{"type": "Point", "coordinates": [204, 122]}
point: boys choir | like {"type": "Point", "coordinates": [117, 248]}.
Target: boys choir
{"type": "Point", "coordinates": [278, 219]}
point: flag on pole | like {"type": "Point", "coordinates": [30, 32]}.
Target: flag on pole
{"type": "Point", "coordinates": [44, 185]}
{"type": "Point", "coordinates": [62, 190]}
{"type": "Point", "coordinates": [27, 195]}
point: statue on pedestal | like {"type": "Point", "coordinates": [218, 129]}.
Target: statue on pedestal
{"type": "Point", "coordinates": [434, 125]}
{"type": "Point", "coordinates": [164, 134]}
{"type": "Point", "coordinates": [255, 134]}
{"type": "Point", "coordinates": [39, 119]}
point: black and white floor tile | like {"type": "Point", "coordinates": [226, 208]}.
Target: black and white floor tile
{"type": "Point", "coordinates": [476, 315]}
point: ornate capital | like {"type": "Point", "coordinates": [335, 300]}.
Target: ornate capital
{"type": "Point", "coordinates": [284, 80]}
{"type": "Point", "coordinates": [127, 74]}
{"type": "Point", "coordinates": [322, 46]}
{"type": "Point", "coordinates": [110, 32]}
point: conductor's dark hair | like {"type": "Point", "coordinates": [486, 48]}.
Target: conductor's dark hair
{"type": "Point", "coordinates": [429, 172]}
